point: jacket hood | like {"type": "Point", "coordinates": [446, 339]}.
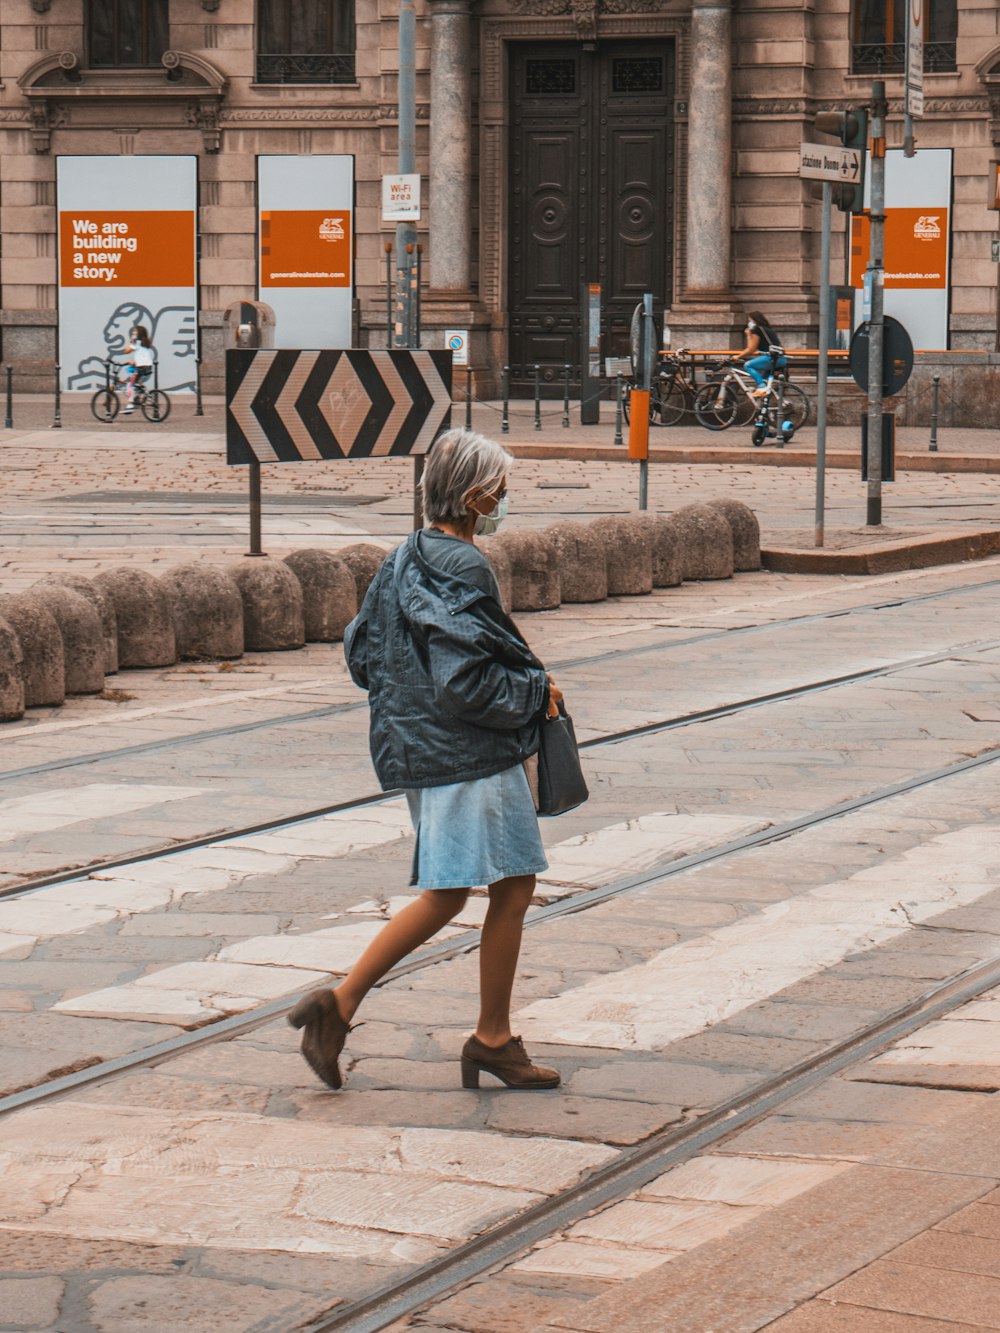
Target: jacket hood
{"type": "Point", "coordinates": [439, 569]}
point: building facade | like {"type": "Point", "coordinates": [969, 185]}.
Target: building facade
{"type": "Point", "coordinates": [642, 145]}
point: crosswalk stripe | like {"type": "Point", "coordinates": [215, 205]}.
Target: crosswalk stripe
{"type": "Point", "coordinates": [700, 982]}
{"type": "Point", "coordinates": [195, 992]}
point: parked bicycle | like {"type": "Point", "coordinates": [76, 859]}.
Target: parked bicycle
{"type": "Point", "coordinates": [672, 391]}
{"type": "Point", "coordinates": [106, 403]}
{"type": "Point", "coordinates": [776, 412]}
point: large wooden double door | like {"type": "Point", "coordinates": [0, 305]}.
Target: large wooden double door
{"type": "Point", "coordinates": [591, 194]}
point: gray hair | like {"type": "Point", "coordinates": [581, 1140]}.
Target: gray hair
{"type": "Point", "coordinates": [460, 461]}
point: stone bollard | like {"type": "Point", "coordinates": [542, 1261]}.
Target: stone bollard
{"type": "Point", "coordinates": [207, 611]}
{"type": "Point", "coordinates": [145, 621]}
{"type": "Point", "coordinates": [534, 570]}
{"type": "Point", "coordinates": [364, 561]}
{"type": "Point", "coordinates": [583, 562]}
{"type": "Point", "coordinates": [745, 529]}
{"type": "Point", "coordinates": [272, 605]}
{"type": "Point", "coordinates": [11, 674]}
{"type": "Point", "coordinates": [82, 636]}
{"type": "Point", "coordinates": [629, 546]}
{"type": "Point", "coordinates": [43, 663]}
{"type": "Point", "coordinates": [500, 564]}
{"type": "Point", "coordinates": [667, 568]}
{"type": "Point", "coordinates": [101, 603]}
{"type": "Point", "coordinates": [705, 541]}
{"type": "Point", "coordinates": [329, 594]}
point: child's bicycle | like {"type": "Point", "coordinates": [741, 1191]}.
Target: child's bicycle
{"type": "Point", "coordinates": [106, 403]}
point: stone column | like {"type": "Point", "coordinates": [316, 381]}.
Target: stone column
{"type": "Point", "coordinates": [451, 146]}
{"type": "Point", "coordinates": [710, 151]}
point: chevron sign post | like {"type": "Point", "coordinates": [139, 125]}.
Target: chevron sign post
{"type": "Point", "coordinates": [288, 406]}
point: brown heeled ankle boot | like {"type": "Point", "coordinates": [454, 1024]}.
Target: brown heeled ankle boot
{"type": "Point", "coordinates": [509, 1063]}
{"type": "Point", "coordinates": [325, 1033]}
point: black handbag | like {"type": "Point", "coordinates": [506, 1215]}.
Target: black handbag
{"type": "Point", "coordinates": [561, 784]}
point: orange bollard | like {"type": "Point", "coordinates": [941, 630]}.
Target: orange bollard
{"type": "Point", "coordinates": [638, 424]}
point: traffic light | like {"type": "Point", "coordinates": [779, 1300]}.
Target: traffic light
{"type": "Point", "coordinates": [851, 128]}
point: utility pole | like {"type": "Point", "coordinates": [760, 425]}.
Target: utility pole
{"type": "Point", "coordinates": [406, 232]}
{"type": "Point", "coordinates": [876, 281]}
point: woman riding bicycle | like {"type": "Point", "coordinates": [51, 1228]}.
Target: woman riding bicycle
{"type": "Point", "coordinates": [140, 365]}
{"type": "Point", "coordinates": [763, 353]}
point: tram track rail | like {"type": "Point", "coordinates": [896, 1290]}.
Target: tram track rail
{"type": "Point", "coordinates": [680, 720]}
{"type": "Point", "coordinates": [564, 664]}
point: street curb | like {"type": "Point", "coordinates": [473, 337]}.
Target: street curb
{"type": "Point", "coordinates": [766, 456]}
{"type": "Point", "coordinates": [887, 557]}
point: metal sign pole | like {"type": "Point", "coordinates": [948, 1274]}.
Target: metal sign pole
{"type": "Point", "coordinates": [255, 508]}
{"type": "Point", "coordinates": [648, 352]}
{"type": "Point", "coordinates": [876, 269]}
{"type": "Point", "coordinates": [406, 232]}
{"type": "Point", "coordinates": [822, 369]}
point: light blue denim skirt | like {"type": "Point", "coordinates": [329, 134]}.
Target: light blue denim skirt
{"type": "Point", "coordinates": [474, 833]}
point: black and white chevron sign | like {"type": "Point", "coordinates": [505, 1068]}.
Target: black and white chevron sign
{"type": "Point", "coordinates": [286, 406]}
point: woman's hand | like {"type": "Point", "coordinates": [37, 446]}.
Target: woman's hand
{"type": "Point", "coordinates": [555, 698]}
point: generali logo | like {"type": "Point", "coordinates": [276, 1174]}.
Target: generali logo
{"type": "Point", "coordinates": [927, 228]}
{"type": "Point", "coordinates": [332, 229]}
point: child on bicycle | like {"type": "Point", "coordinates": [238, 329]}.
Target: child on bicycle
{"type": "Point", "coordinates": [140, 366]}
{"type": "Point", "coordinates": [763, 354]}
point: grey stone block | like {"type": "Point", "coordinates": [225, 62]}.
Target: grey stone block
{"type": "Point", "coordinates": [364, 561]}
{"type": "Point", "coordinates": [500, 564]}
{"type": "Point", "coordinates": [534, 570]}
{"type": "Point", "coordinates": [629, 544]}
{"type": "Point", "coordinates": [101, 603]}
{"type": "Point", "coordinates": [207, 611]}
{"type": "Point", "coordinates": [583, 561]}
{"type": "Point", "coordinates": [705, 541]}
{"type": "Point", "coordinates": [745, 529]}
{"type": "Point", "coordinates": [329, 594]}
{"type": "Point", "coordinates": [11, 679]}
{"type": "Point", "coordinates": [668, 570]}
{"type": "Point", "coordinates": [145, 620]}
{"type": "Point", "coordinates": [273, 619]}
{"type": "Point", "coordinates": [82, 636]}
{"type": "Point", "coordinates": [42, 662]}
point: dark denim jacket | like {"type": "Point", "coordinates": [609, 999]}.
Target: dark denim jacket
{"type": "Point", "coordinates": [455, 692]}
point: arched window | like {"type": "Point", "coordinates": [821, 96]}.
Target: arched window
{"type": "Point", "coordinates": [878, 36]}
{"type": "Point", "coordinates": [305, 41]}
{"type": "Point", "coordinates": [127, 32]}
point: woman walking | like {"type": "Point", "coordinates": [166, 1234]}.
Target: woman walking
{"type": "Point", "coordinates": [457, 700]}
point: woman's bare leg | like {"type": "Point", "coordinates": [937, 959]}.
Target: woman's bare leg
{"type": "Point", "coordinates": [498, 953]}
{"type": "Point", "coordinates": [413, 926]}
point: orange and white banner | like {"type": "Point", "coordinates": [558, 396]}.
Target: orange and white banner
{"type": "Point", "coordinates": [307, 247]}
{"type": "Point", "coordinates": [917, 243]}
{"type": "Point", "coordinates": [127, 257]}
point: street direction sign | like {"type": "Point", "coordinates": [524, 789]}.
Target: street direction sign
{"type": "Point", "coordinates": [286, 406]}
{"type": "Point", "coordinates": [826, 162]}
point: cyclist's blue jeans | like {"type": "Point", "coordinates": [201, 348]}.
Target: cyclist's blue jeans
{"type": "Point", "coordinates": [760, 366]}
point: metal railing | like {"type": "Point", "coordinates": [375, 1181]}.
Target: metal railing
{"type": "Point", "coordinates": [312, 68]}
{"type": "Point", "coordinates": [890, 57]}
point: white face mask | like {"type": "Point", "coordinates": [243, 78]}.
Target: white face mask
{"type": "Point", "coordinates": [488, 523]}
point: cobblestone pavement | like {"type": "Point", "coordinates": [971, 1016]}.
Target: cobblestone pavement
{"type": "Point", "coordinates": [726, 907]}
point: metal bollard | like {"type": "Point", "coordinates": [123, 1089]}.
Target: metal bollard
{"type": "Point", "coordinates": [618, 409]}
{"type": "Point", "coordinates": [57, 417]}
{"type": "Point", "coordinates": [468, 397]}
{"type": "Point", "coordinates": [934, 414]}
{"type": "Point", "coordinates": [156, 389]}
{"type": "Point", "coordinates": [9, 419]}
{"type": "Point", "coordinates": [505, 415]}
{"type": "Point", "coordinates": [388, 293]}
{"type": "Point", "coordinates": [566, 370]}
{"type": "Point", "coordinates": [538, 396]}
{"type": "Point", "coordinates": [199, 410]}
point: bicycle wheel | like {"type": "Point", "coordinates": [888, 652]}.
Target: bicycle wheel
{"type": "Point", "coordinates": [155, 405]}
{"type": "Point", "coordinates": [105, 404]}
{"type": "Point", "coordinates": [794, 406]}
{"type": "Point", "coordinates": [668, 405]}
{"type": "Point", "coordinates": [716, 406]}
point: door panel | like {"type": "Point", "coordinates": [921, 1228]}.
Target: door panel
{"type": "Point", "coordinates": [591, 195]}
